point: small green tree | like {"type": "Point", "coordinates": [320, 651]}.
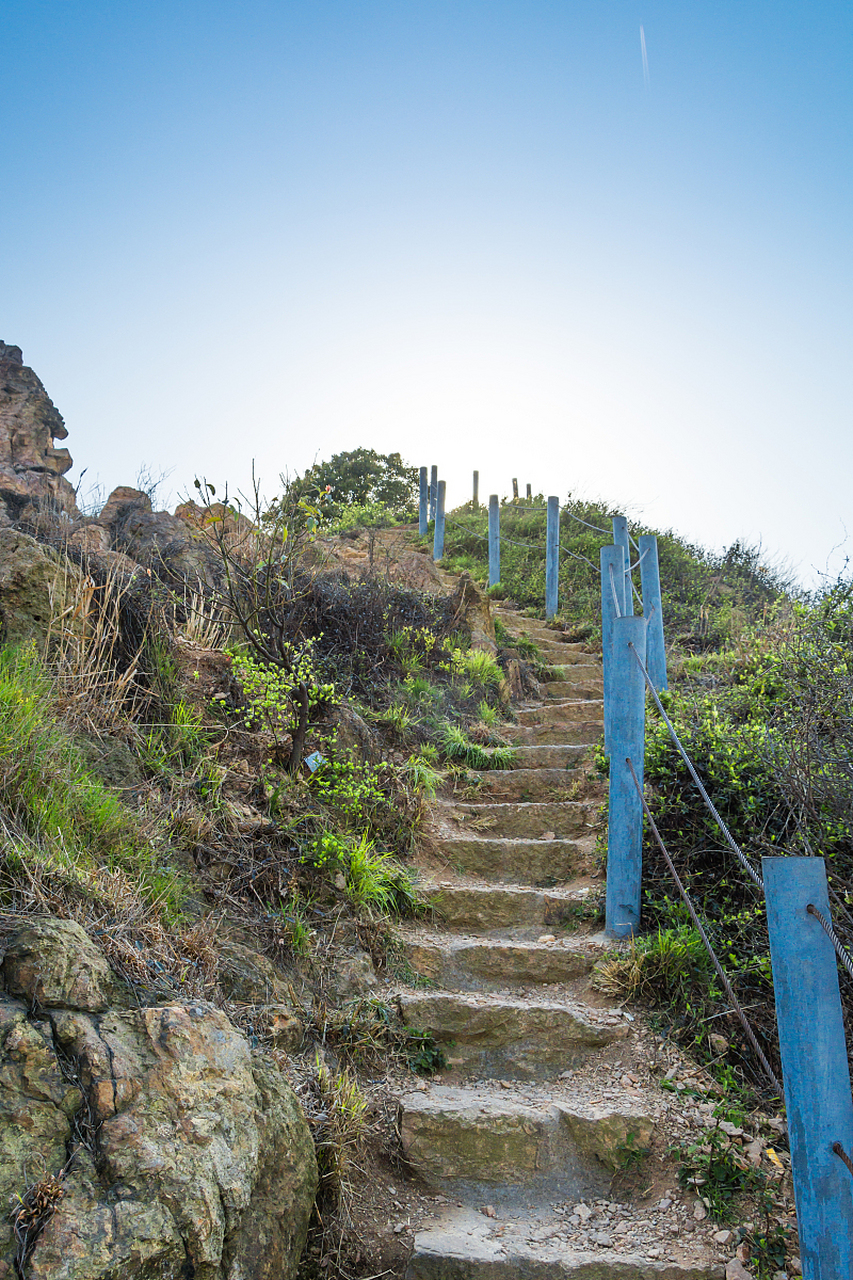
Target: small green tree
{"type": "Point", "coordinates": [361, 477]}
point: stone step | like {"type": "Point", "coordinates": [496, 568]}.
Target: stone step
{"type": "Point", "coordinates": [527, 819]}
{"type": "Point", "coordinates": [579, 733]}
{"type": "Point", "coordinates": [551, 755]}
{"type": "Point", "coordinates": [466, 1245]}
{"type": "Point", "coordinates": [478, 964]}
{"type": "Point", "coordinates": [526, 784]}
{"type": "Point", "coordinates": [569, 1145]}
{"type": "Point", "coordinates": [483, 908]}
{"type": "Point", "coordinates": [506, 1038]}
{"type": "Point", "coordinates": [562, 690]}
{"type": "Point", "coordinates": [515, 861]}
{"type": "Point", "coordinates": [568, 712]}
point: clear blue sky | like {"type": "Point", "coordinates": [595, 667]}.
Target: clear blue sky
{"type": "Point", "coordinates": [470, 231]}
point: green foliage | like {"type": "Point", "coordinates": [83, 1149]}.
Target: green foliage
{"type": "Point", "coordinates": [422, 773]}
{"type": "Point", "coordinates": [629, 1154]}
{"type": "Point", "coordinates": [424, 1054]}
{"type": "Point", "coordinates": [375, 881]}
{"type": "Point", "coordinates": [363, 477]}
{"type": "Point", "coordinates": [60, 820]}
{"type": "Point", "coordinates": [457, 746]}
{"type": "Point", "coordinates": [669, 967]}
{"type": "Point", "coordinates": [272, 692]}
{"type": "Point", "coordinates": [720, 1174]}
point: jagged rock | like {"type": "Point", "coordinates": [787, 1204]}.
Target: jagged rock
{"type": "Point", "coordinates": [205, 1161]}
{"type": "Point", "coordinates": [353, 975]}
{"type": "Point", "coordinates": [54, 962]}
{"type": "Point", "coordinates": [36, 584]}
{"type": "Point", "coordinates": [31, 469]}
{"type": "Point", "coordinates": [159, 541]}
{"type": "Point", "coordinates": [249, 977]}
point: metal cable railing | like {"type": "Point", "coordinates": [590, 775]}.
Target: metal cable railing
{"type": "Point", "coordinates": [697, 923]}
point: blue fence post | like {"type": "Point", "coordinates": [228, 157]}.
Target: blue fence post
{"type": "Point", "coordinates": [552, 557]}
{"type": "Point", "coordinates": [494, 541]}
{"type": "Point", "coordinates": [650, 585]}
{"type": "Point", "coordinates": [423, 503]}
{"type": "Point", "coordinates": [620, 537]}
{"type": "Point", "coordinates": [438, 536]}
{"type": "Point", "coordinates": [476, 500]}
{"type": "Point", "coordinates": [433, 491]}
{"type": "Point", "coordinates": [612, 584]}
{"type": "Point", "coordinates": [625, 809]}
{"type": "Point", "coordinates": [814, 1062]}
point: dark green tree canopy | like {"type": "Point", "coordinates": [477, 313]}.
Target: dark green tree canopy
{"type": "Point", "coordinates": [364, 476]}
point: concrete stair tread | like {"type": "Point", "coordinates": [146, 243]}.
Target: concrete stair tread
{"type": "Point", "coordinates": [465, 1244]}
{"type": "Point", "coordinates": [511, 1037]}
{"type": "Point", "coordinates": [482, 907]}
{"type": "Point", "coordinates": [471, 963]}
{"type": "Point", "coordinates": [511, 785]}
{"type": "Point", "coordinates": [519, 819]}
{"type": "Point", "coordinates": [568, 1142]}
{"type": "Point", "coordinates": [517, 859]}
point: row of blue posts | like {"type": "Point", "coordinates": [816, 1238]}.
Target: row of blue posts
{"type": "Point", "coordinates": [432, 507]}
{"type": "Point", "coordinates": [805, 971]}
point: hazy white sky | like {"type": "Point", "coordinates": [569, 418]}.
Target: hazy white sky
{"type": "Point", "coordinates": [467, 230]}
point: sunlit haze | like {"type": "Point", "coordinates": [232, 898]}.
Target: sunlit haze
{"type": "Point", "coordinates": [600, 246]}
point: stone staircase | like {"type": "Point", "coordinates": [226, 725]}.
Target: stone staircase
{"type": "Point", "coordinates": [521, 1137]}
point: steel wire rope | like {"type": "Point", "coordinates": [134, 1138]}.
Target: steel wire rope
{"type": "Point", "coordinates": [840, 949]}
{"type": "Point", "coordinates": [745, 863]}
{"type": "Point", "coordinates": [688, 902]}
{"type": "Point", "coordinates": [613, 589]}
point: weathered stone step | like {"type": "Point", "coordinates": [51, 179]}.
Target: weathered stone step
{"type": "Point", "coordinates": [514, 861]}
{"type": "Point", "coordinates": [507, 1038]}
{"type": "Point", "coordinates": [526, 784]}
{"type": "Point", "coordinates": [569, 712]}
{"type": "Point", "coordinates": [526, 819]}
{"type": "Point", "coordinates": [575, 733]}
{"type": "Point", "coordinates": [452, 1135]}
{"type": "Point", "coordinates": [562, 690]}
{"type": "Point", "coordinates": [477, 964]}
{"type": "Point", "coordinates": [551, 755]}
{"type": "Point", "coordinates": [482, 908]}
{"type": "Point", "coordinates": [465, 1245]}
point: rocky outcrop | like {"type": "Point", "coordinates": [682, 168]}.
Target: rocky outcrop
{"type": "Point", "coordinates": [170, 1149]}
{"type": "Point", "coordinates": [32, 469]}
{"type": "Point", "coordinates": [37, 585]}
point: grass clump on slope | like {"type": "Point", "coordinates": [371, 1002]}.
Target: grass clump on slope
{"type": "Point", "coordinates": [64, 828]}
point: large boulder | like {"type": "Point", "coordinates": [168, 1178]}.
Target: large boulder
{"type": "Point", "coordinates": [32, 469]}
{"type": "Point", "coordinates": [196, 1157]}
{"type": "Point", "coordinates": [38, 587]}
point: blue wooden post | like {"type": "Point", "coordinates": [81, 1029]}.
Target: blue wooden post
{"type": "Point", "coordinates": [650, 584]}
{"type": "Point", "coordinates": [438, 537]}
{"type": "Point", "coordinates": [552, 557]}
{"type": "Point", "coordinates": [423, 504]}
{"type": "Point", "coordinates": [494, 541]}
{"type": "Point", "coordinates": [611, 558]}
{"type": "Point", "coordinates": [476, 501]}
{"type": "Point", "coordinates": [814, 1063]}
{"type": "Point", "coordinates": [625, 810]}
{"type": "Point", "coordinates": [620, 537]}
{"type": "Point", "coordinates": [433, 491]}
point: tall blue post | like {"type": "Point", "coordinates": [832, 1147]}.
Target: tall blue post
{"type": "Point", "coordinates": [814, 1063]}
{"type": "Point", "coordinates": [433, 491]}
{"type": "Point", "coordinates": [438, 536]}
{"type": "Point", "coordinates": [494, 541]}
{"type": "Point", "coordinates": [620, 537]}
{"type": "Point", "coordinates": [423, 503]}
{"type": "Point", "coordinates": [625, 809]}
{"type": "Point", "coordinates": [650, 584]}
{"type": "Point", "coordinates": [552, 557]}
{"type": "Point", "coordinates": [476, 500]}
{"type": "Point", "coordinates": [612, 606]}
